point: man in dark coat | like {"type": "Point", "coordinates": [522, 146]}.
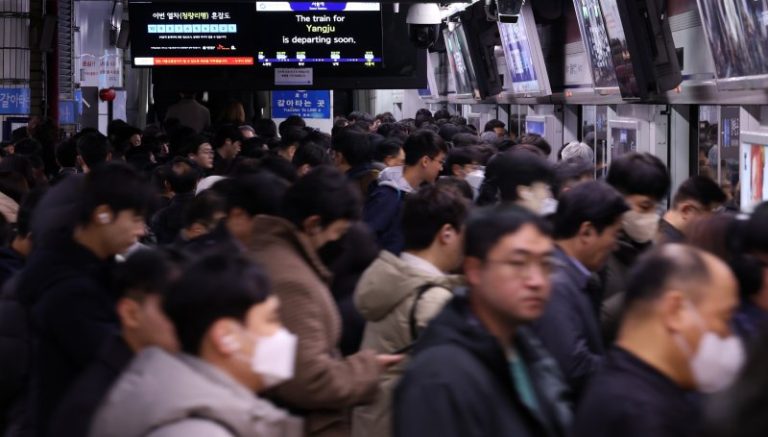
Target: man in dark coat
{"type": "Point", "coordinates": [182, 178]}
{"type": "Point", "coordinates": [476, 370]}
{"type": "Point", "coordinates": [65, 285]}
{"type": "Point", "coordinates": [644, 181]}
{"type": "Point", "coordinates": [424, 158]}
{"type": "Point", "coordinates": [696, 199]}
{"type": "Point", "coordinates": [587, 222]}
{"type": "Point", "coordinates": [141, 280]}
{"type": "Point", "coordinates": [675, 338]}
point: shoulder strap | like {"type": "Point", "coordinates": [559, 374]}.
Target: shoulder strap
{"type": "Point", "coordinates": [412, 322]}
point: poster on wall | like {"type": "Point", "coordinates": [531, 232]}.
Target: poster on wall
{"type": "Point", "coordinates": [89, 70]}
{"type": "Point", "coordinates": [754, 183]}
{"type": "Point", "coordinates": [111, 70]}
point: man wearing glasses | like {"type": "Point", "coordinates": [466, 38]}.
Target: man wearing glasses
{"type": "Point", "coordinates": [476, 369]}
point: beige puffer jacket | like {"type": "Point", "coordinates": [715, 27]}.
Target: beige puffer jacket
{"type": "Point", "coordinates": [385, 296]}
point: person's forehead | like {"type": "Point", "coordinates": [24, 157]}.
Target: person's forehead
{"type": "Point", "coordinates": [527, 240]}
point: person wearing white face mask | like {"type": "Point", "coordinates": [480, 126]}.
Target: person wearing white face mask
{"type": "Point", "coordinates": [522, 177]}
{"type": "Point", "coordinates": [234, 346]}
{"type": "Point", "coordinates": [675, 340]}
{"type": "Point", "coordinates": [644, 181]}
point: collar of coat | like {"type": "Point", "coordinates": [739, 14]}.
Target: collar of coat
{"type": "Point", "coordinates": [276, 230]}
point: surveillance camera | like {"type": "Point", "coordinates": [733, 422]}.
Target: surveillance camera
{"type": "Point", "coordinates": [423, 24]}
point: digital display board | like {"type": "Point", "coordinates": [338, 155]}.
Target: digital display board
{"type": "Point", "coordinates": [595, 37]}
{"type": "Point", "coordinates": [738, 37]}
{"type": "Point", "coordinates": [461, 64]}
{"type": "Point", "coordinates": [620, 54]}
{"type": "Point", "coordinates": [318, 34]}
{"type": "Point", "coordinates": [191, 34]}
{"type": "Point", "coordinates": [523, 55]}
{"type": "Point", "coordinates": [535, 127]}
{"type": "Point", "coordinates": [517, 54]}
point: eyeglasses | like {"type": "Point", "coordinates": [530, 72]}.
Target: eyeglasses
{"type": "Point", "coordinates": [524, 267]}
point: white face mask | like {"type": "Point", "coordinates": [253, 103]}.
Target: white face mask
{"type": "Point", "coordinates": [274, 357]}
{"type": "Point", "coordinates": [538, 199]}
{"type": "Point", "coordinates": [717, 362]}
{"type": "Point", "coordinates": [641, 226]}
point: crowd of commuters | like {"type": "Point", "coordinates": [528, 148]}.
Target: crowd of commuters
{"type": "Point", "coordinates": [390, 278]}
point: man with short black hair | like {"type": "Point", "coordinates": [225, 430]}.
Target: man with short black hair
{"type": "Point", "coordinates": [92, 150]}
{"type": "Point", "coordinates": [141, 283]}
{"type": "Point", "coordinates": [644, 182]}
{"type": "Point", "coordinates": [521, 177]}
{"type": "Point", "coordinates": [183, 176]}
{"type": "Point", "coordinates": [226, 144]}
{"type": "Point", "coordinates": [317, 209]}
{"type": "Point", "coordinates": [233, 346]}
{"type": "Point", "coordinates": [569, 173]}
{"type": "Point", "coordinates": [292, 122]}
{"type": "Point", "coordinates": [696, 198]}
{"type": "Point", "coordinates": [246, 199]}
{"type": "Point", "coordinates": [477, 370]}
{"type": "Point", "coordinates": [199, 149]}
{"type": "Point", "coordinates": [353, 155]}
{"type": "Point", "coordinates": [66, 157]}
{"type": "Point", "coordinates": [497, 127]}
{"type": "Point", "coordinates": [675, 338]}
{"type": "Point", "coordinates": [400, 295]}
{"type": "Point", "coordinates": [65, 284]}
{"type": "Point", "coordinates": [586, 223]}
{"type": "Point", "coordinates": [308, 156]}
{"type": "Point", "coordinates": [289, 142]}
{"type": "Point", "coordinates": [460, 162]}
{"type": "Point", "coordinates": [424, 158]}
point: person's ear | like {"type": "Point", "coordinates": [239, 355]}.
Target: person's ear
{"type": "Point", "coordinates": [128, 310]}
{"type": "Point", "coordinates": [196, 230]}
{"type": "Point", "coordinates": [303, 169]}
{"type": "Point", "coordinates": [312, 225]}
{"type": "Point", "coordinates": [424, 161]}
{"type": "Point", "coordinates": [225, 337]}
{"type": "Point", "coordinates": [586, 231]}
{"type": "Point", "coordinates": [472, 270]}
{"type": "Point", "coordinates": [102, 215]}
{"type": "Point", "coordinates": [673, 310]}
{"type": "Point", "coordinates": [446, 234]}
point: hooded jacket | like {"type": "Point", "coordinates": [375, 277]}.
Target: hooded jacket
{"type": "Point", "coordinates": [162, 395]}
{"type": "Point", "coordinates": [386, 297]}
{"type": "Point", "coordinates": [325, 385]}
{"type": "Point", "coordinates": [383, 208]}
{"type": "Point", "coordinates": [459, 384]}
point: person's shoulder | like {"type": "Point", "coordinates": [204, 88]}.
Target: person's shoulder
{"type": "Point", "coordinates": [191, 427]}
{"type": "Point", "coordinates": [430, 364]}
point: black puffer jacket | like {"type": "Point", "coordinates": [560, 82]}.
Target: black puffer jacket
{"type": "Point", "coordinates": [460, 384]}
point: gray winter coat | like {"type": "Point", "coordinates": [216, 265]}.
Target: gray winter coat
{"type": "Point", "coordinates": [164, 395]}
